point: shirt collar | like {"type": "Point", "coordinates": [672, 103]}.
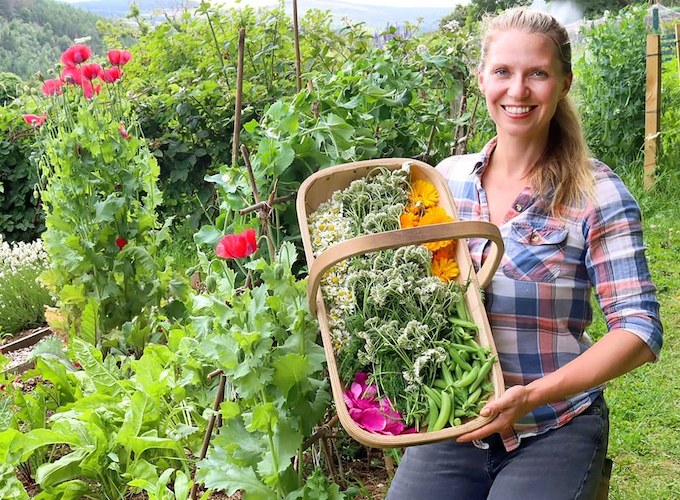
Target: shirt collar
{"type": "Point", "coordinates": [485, 156]}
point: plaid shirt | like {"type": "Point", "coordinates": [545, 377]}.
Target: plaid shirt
{"type": "Point", "coordinates": [538, 302]}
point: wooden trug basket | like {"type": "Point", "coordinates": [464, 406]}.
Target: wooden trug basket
{"type": "Point", "coordinates": [317, 189]}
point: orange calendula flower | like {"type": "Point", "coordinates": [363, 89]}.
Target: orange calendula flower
{"type": "Point", "coordinates": [423, 192]}
{"type": "Point", "coordinates": [447, 252]}
{"type": "Point", "coordinates": [435, 215]}
{"type": "Point", "coordinates": [445, 269]}
{"type": "Point", "coordinates": [409, 219]}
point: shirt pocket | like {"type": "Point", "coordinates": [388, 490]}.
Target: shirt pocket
{"type": "Point", "coordinates": [534, 253]}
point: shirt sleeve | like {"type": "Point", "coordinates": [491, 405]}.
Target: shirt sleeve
{"type": "Point", "coordinates": [616, 262]}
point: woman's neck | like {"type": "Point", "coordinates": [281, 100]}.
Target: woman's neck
{"type": "Point", "coordinates": [514, 158]}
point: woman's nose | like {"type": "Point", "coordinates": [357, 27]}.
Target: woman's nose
{"type": "Point", "coordinates": [518, 88]}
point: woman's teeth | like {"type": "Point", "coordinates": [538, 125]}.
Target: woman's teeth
{"type": "Point", "coordinates": [517, 110]}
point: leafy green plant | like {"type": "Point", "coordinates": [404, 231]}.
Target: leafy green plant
{"type": "Point", "coordinates": [264, 341]}
{"type": "Point", "coordinates": [21, 217]}
{"type": "Point", "coordinates": [610, 87]}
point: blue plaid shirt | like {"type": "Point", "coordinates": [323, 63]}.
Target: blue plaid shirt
{"type": "Point", "coordinates": [538, 302]}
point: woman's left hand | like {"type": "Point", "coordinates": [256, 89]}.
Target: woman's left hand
{"type": "Point", "coordinates": [509, 408]}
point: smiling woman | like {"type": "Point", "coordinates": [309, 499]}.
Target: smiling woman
{"type": "Point", "coordinates": [570, 229]}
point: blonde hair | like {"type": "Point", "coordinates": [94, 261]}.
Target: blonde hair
{"type": "Point", "coordinates": [564, 169]}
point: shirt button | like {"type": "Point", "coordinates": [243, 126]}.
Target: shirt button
{"type": "Point", "coordinates": [518, 207]}
{"type": "Point", "coordinates": [535, 238]}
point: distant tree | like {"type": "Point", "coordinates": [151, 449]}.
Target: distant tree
{"type": "Point", "coordinates": [470, 13]}
{"type": "Point", "coordinates": [10, 87]}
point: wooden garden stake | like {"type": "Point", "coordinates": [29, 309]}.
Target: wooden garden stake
{"type": "Point", "coordinates": [652, 106]}
{"type": "Point", "coordinates": [219, 397]}
{"type": "Point", "coordinates": [256, 195]}
{"type": "Point", "coordinates": [296, 34]}
{"type": "Point", "coordinates": [239, 96]}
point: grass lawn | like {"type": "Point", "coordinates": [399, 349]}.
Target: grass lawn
{"type": "Point", "coordinates": [645, 404]}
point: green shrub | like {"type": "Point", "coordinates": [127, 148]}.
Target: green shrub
{"type": "Point", "coordinates": [9, 87]}
{"type": "Point", "coordinates": [610, 87]}
{"type": "Point", "coordinates": [21, 217]}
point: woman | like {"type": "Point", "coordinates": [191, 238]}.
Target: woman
{"type": "Point", "coordinates": [570, 227]}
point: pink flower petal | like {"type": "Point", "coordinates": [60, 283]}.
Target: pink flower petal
{"type": "Point", "coordinates": [372, 420]}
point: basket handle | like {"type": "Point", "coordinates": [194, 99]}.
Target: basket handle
{"type": "Point", "coordinates": [404, 237]}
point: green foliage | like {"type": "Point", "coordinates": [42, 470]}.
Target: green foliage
{"type": "Point", "coordinates": [22, 298]}
{"type": "Point", "coordinates": [34, 33]}
{"type": "Point", "coordinates": [10, 87]}
{"type": "Point", "coordinates": [21, 218]}
{"type": "Point", "coordinates": [265, 342]}
{"type": "Point", "coordinates": [122, 419]}
{"type": "Point", "coordinates": [610, 88]}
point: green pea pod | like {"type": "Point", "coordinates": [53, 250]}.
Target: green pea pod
{"type": "Point", "coordinates": [473, 397]}
{"type": "Point", "coordinates": [457, 358]}
{"type": "Point", "coordinates": [434, 395]}
{"type": "Point", "coordinates": [443, 413]}
{"type": "Point", "coordinates": [457, 421]}
{"type": "Point", "coordinates": [446, 374]}
{"type": "Point", "coordinates": [468, 378]}
{"type": "Point", "coordinates": [463, 347]}
{"type": "Point", "coordinates": [440, 384]}
{"type": "Point", "coordinates": [434, 413]}
{"type": "Point", "coordinates": [453, 406]}
{"type": "Point", "coordinates": [462, 322]}
{"type": "Point", "coordinates": [458, 371]}
{"type": "Point", "coordinates": [483, 372]}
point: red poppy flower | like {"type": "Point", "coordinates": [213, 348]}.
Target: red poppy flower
{"type": "Point", "coordinates": [123, 132]}
{"type": "Point", "coordinates": [76, 54]}
{"type": "Point", "coordinates": [121, 242]}
{"type": "Point", "coordinates": [34, 120]}
{"type": "Point", "coordinates": [110, 75]}
{"type": "Point", "coordinates": [237, 246]}
{"type": "Point", "coordinates": [91, 71]}
{"type": "Point", "coordinates": [51, 87]}
{"type": "Point", "coordinates": [72, 76]}
{"type": "Point", "coordinates": [119, 57]}
{"type": "Point", "coordinates": [90, 89]}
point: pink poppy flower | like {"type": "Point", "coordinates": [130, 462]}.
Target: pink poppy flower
{"type": "Point", "coordinates": [34, 120]}
{"type": "Point", "coordinates": [72, 76]}
{"type": "Point", "coordinates": [123, 132]}
{"type": "Point", "coordinates": [110, 75]}
{"type": "Point", "coordinates": [51, 87]}
{"type": "Point", "coordinates": [90, 90]}
{"type": "Point", "coordinates": [76, 54]}
{"type": "Point", "coordinates": [91, 71]}
{"type": "Point", "coordinates": [119, 57]}
{"type": "Point", "coordinates": [237, 246]}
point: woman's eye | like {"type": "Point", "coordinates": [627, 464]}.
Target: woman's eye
{"type": "Point", "coordinates": [501, 72]}
{"type": "Point", "coordinates": [540, 73]}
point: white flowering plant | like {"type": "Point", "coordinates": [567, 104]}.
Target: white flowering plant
{"type": "Point", "coordinates": [400, 328]}
{"type": "Point", "coordinates": [22, 296]}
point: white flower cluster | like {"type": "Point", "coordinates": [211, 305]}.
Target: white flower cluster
{"type": "Point", "coordinates": [21, 257]}
{"type": "Point", "coordinates": [327, 227]}
{"type": "Point", "coordinates": [435, 356]}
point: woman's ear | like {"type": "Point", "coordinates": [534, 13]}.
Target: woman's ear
{"type": "Point", "coordinates": [480, 80]}
{"type": "Point", "coordinates": [567, 85]}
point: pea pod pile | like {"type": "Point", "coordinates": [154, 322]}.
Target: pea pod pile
{"type": "Point", "coordinates": [463, 384]}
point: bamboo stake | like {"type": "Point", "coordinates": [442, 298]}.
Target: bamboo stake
{"type": "Point", "coordinates": [652, 106]}
{"type": "Point", "coordinates": [239, 96]}
{"type": "Point", "coordinates": [296, 33]}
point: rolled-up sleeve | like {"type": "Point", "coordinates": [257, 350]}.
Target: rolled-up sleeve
{"type": "Point", "coordinates": [616, 262]}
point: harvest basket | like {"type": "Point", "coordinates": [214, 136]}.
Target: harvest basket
{"type": "Point", "coordinates": [317, 189]}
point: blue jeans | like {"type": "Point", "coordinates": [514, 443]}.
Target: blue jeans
{"type": "Point", "coordinates": [561, 464]}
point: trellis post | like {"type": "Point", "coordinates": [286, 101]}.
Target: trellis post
{"type": "Point", "coordinates": [652, 107]}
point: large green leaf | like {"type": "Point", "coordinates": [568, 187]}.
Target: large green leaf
{"type": "Point", "coordinates": [91, 360]}
{"type": "Point", "coordinates": [105, 210]}
{"type": "Point", "coordinates": [67, 467]}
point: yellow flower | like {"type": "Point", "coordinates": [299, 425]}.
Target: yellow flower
{"type": "Point", "coordinates": [408, 219]}
{"type": "Point", "coordinates": [445, 269]}
{"type": "Point", "coordinates": [448, 252]}
{"type": "Point", "coordinates": [435, 215]}
{"type": "Point", "coordinates": [424, 192]}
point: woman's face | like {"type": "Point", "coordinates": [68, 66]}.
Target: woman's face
{"type": "Point", "coordinates": [522, 81]}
